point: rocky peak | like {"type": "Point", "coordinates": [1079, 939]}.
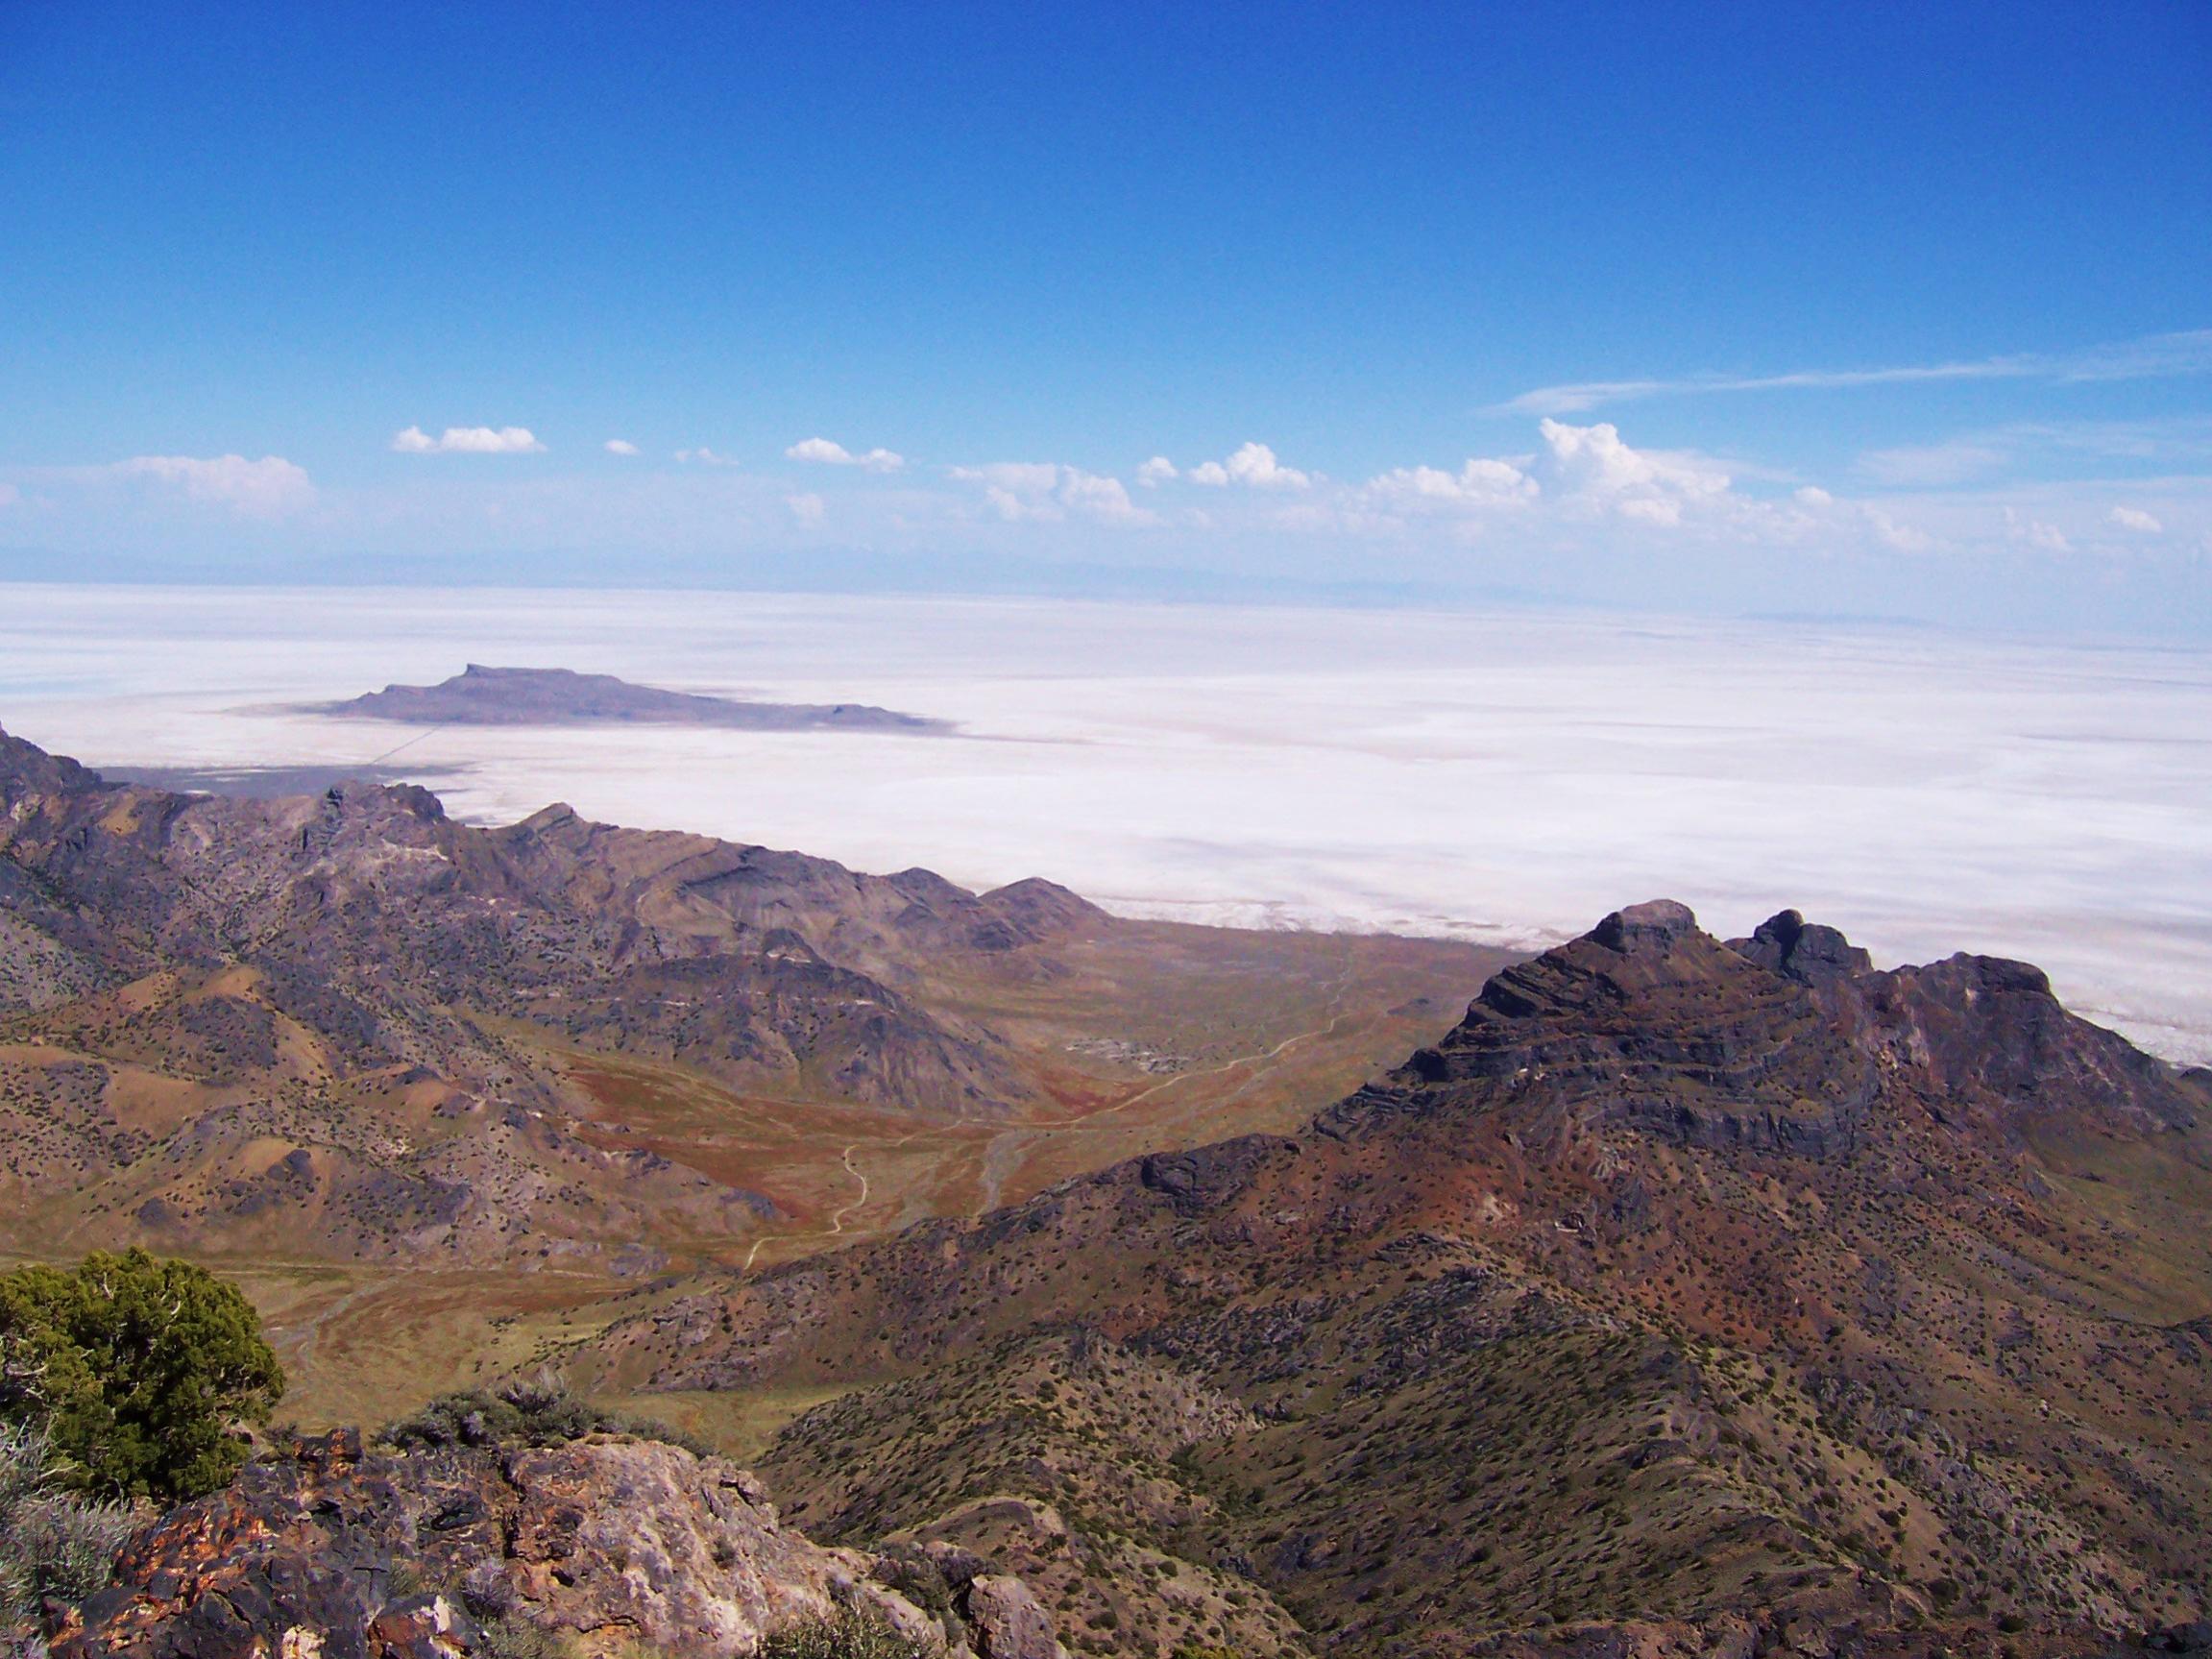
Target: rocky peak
{"type": "Point", "coordinates": [1802, 951]}
{"type": "Point", "coordinates": [1654, 926]}
{"type": "Point", "coordinates": [26, 768]}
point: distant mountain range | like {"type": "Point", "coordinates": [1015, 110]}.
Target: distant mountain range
{"type": "Point", "coordinates": [488, 697]}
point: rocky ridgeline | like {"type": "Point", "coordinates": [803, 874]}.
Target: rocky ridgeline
{"type": "Point", "coordinates": [332, 1551]}
{"type": "Point", "coordinates": [1690, 1296]}
{"type": "Point", "coordinates": [320, 1021]}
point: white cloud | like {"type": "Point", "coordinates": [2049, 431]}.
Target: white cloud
{"type": "Point", "coordinates": [828, 454]}
{"type": "Point", "coordinates": [1814, 497]}
{"type": "Point", "coordinates": [704, 457]}
{"type": "Point", "coordinates": [1482, 481]}
{"type": "Point", "coordinates": [2034, 533]}
{"type": "Point", "coordinates": [1898, 537]}
{"type": "Point", "coordinates": [1158, 470]}
{"type": "Point", "coordinates": [1046, 491]}
{"type": "Point", "coordinates": [1018, 477]}
{"type": "Point", "coordinates": [1592, 464]}
{"type": "Point", "coordinates": [264, 489]}
{"type": "Point", "coordinates": [468, 441]}
{"type": "Point", "coordinates": [1100, 498]}
{"type": "Point", "coordinates": [620, 446]}
{"type": "Point", "coordinates": [2135, 518]}
{"type": "Point", "coordinates": [1255, 466]}
{"type": "Point", "coordinates": [808, 508]}
{"type": "Point", "coordinates": [2154, 356]}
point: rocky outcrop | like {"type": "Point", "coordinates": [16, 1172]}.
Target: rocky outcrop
{"type": "Point", "coordinates": [338, 1552]}
{"type": "Point", "coordinates": [1788, 945]}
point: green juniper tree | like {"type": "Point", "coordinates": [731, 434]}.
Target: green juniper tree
{"type": "Point", "coordinates": [139, 1368]}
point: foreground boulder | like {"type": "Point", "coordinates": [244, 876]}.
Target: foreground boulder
{"type": "Point", "coordinates": [334, 1552]}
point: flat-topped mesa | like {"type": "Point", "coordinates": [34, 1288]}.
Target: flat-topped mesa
{"type": "Point", "coordinates": [483, 696]}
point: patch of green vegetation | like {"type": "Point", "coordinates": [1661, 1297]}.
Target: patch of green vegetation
{"type": "Point", "coordinates": [53, 1542]}
{"type": "Point", "coordinates": [850, 1634]}
{"type": "Point", "coordinates": [139, 1369]}
{"type": "Point", "coordinates": [538, 1409]}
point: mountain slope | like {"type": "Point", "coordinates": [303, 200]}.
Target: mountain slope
{"type": "Point", "coordinates": [345, 1028]}
{"type": "Point", "coordinates": [1685, 1284]}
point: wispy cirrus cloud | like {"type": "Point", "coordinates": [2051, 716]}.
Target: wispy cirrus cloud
{"type": "Point", "coordinates": [1931, 464]}
{"type": "Point", "coordinates": [2153, 358]}
{"type": "Point", "coordinates": [468, 441]}
{"type": "Point", "coordinates": [827, 453]}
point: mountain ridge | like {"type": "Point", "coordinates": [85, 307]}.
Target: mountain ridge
{"type": "Point", "coordinates": [1829, 1240]}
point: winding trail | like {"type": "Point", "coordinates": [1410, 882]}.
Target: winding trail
{"type": "Point", "coordinates": [837, 1226]}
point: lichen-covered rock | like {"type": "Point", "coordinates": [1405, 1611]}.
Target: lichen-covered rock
{"type": "Point", "coordinates": [1006, 1620]}
{"type": "Point", "coordinates": [331, 1552]}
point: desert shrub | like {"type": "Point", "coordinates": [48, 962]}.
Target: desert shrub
{"type": "Point", "coordinates": [139, 1369]}
{"type": "Point", "coordinates": [852, 1633]}
{"type": "Point", "coordinates": [538, 1409]}
{"type": "Point", "coordinates": [512, 1636]}
{"type": "Point", "coordinates": [53, 1542]}
{"type": "Point", "coordinates": [913, 1575]}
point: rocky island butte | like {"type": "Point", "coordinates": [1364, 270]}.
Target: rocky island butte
{"type": "Point", "coordinates": [492, 696]}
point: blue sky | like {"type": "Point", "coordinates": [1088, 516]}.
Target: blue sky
{"type": "Point", "coordinates": [1873, 310]}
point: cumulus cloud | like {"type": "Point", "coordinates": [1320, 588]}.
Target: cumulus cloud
{"type": "Point", "coordinates": [1253, 466]}
{"type": "Point", "coordinates": [264, 489]}
{"type": "Point", "coordinates": [1594, 466]}
{"type": "Point", "coordinates": [620, 446]}
{"type": "Point", "coordinates": [808, 508]}
{"type": "Point", "coordinates": [1047, 491]}
{"type": "Point", "coordinates": [1899, 537]}
{"type": "Point", "coordinates": [1158, 470]}
{"type": "Point", "coordinates": [2135, 518]}
{"type": "Point", "coordinates": [1483, 481]}
{"type": "Point", "coordinates": [468, 441]}
{"type": "Point", "coordinates": [2044, 538]}
{"type": "Point", "coordinates": [825, 452]}
{"type": "Point", "coordinates": [702, 456]}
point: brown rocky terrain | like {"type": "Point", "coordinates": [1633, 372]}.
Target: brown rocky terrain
{"type": "Point", "coordinates": [322, 1037]}
{"type": "Point", "coordinates": [1688, 1296]}
{"type": "Point", "coordinates": [610, 1545]}
{"type": "Point", "coordinates": [487, 696]}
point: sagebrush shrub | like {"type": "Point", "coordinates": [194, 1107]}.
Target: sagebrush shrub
{"type": "Point", "coordinates": [52, 1542]}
